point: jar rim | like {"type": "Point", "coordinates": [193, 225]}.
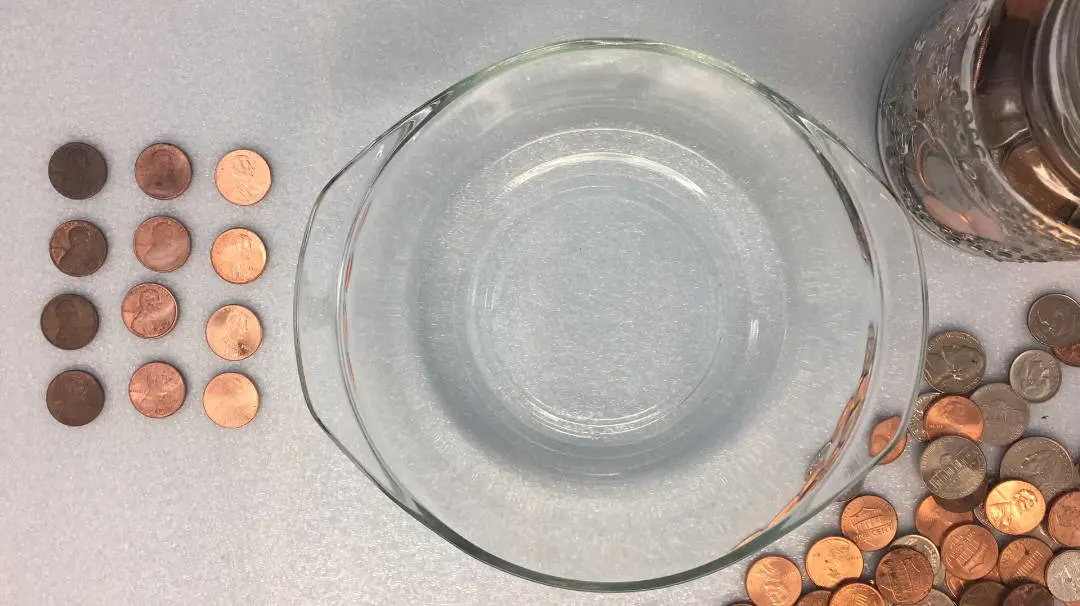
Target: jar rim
{"type": "Point", "coordinates": [1055, 86]}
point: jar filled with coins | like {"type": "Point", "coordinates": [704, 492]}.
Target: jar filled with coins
{"type": "Point", "coordinates": [979, 128]}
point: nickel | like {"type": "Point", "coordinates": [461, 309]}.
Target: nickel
{"type": "Point", "coordinates": [1054, 319]}
{"type": "Point", "coordinates": [955, 362]}
{"type": "Point", "coordinates": [1005, 414]}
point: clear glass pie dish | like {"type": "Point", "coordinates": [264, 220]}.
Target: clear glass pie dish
{"type": "Point", "coordinates": [608, 315]}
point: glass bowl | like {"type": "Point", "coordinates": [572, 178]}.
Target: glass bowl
{"type": "Point", "coordinates": [609, 314]}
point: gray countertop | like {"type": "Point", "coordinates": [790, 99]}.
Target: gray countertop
{"type": "Point", "coordinates": [132, 511]}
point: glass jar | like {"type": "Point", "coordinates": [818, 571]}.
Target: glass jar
{"type": "Point", "coordinates": [979, 128]}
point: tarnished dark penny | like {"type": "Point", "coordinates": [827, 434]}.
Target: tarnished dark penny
{"type": "Point", "coordinates": [1069, 354]}
{"type": "Point", "coordinates": [904, 576]}
{"type": "Point", "coordinates": [78, 248]}
{"type": "Point", "coordinates": [953, 467]}
{"type": "Point", "coordinates": [77, 170]}
{"type": "Point", "coordinates": [1029, 595]}
{"type": "Point", "coordinates": [163, 171]}
{"type": "Point", "coordinates": [983, 593]}
{"type": "Point", "coordinates": [157, 390]}
{"type": "Point", "coordinates": [162, 244]}
{"type": "Point", "coordinates": [150, 311]}
{"type": "Point", "coordinates": [69, 321]}
{"type": "Point", "coordinates": [74, 398]}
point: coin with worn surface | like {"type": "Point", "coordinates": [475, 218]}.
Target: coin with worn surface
{"type": "Point", "coordinates": [1035, 375]}
{"type": "Point", "coordinates": [231, 400]}
{"type": "Point", "coordinates": [1063, 523]}
{"type": "Point", "coordinates": [953, 416]}
{"type": "Point", "coordinates": [1063, 575]}
{"type": "Point", "coordinates": [157, 390]}
{"type": "Point", "coordinates": [162, 244]}
{"type": "Point", "coordinates": [818, 597]}
{"type": "Point", "coordinates": [163, 171]}
{"type": "Point", "coordinates": [773, 581]}
{"type": "Point", "coordinates": [952, 467]}
{"type": "Point", "coordinates": [857, 594]}
{"type": "Point", "coordinates": [77, 170]}
{"type": "Point", "coordinates": [933, 521]}
{"type": "Point", "coordinates": [69, 321]}
{"type": "Point", "coordinates": [78, 248]}
{"type": "Point", "coordinates": [926, 547]}
{"type": "Point", "coordinates": [955, 362]}
{"type": "Point", "coordinates": [238, 256]}
{"type": "Point", "coordinates": [935, 598]}
{"type": "Point", "coordinates": [1005, 414]}
{"type": "Point", "coordinates": [243, 177]}
{"type": "Point", "coordinates": [833, 560]}
{"type": "Point", "coordinates": [1069, 354]}
{"type": "Point", "coordinates": [983, 593]}
{"type": "Point", "coordinates": [869, 521]}
{"type": "Point", "coordinates": [1029, 595]}
{"type": "Point", "coordinates": [1015, 507]}
{"type": "Point", "coordinates": [918, 413]}
{"type": "Point", "coordinates": [904, 576]}
{"type": "Point", "coordinates": [74, 398]}
{"type": "Point", "coordinates": [969, 552]}
{"type": "Point", "coordinates": [150, 311]}
{"type": "Point", "coordinates": [1054, 319]}
{"type": "Point", "coordinates": [1024, 561]}
{"type": "Point", "coordinates": [880, 437]}
{"type": "Point", "coordinates": [968, 503]}
{"type": "Point", "coordinates": [1042, 462]}
{"type": "Point", "coordinates": [234, 332]}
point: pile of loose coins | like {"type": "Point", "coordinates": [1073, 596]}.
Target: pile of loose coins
{"type": "Point", "coordinates": [1010, 538]}
{"type": "Point", "coordinates": [150, 310]}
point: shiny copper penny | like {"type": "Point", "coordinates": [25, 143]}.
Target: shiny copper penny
{"type": "Point", "coordinates": [880, 437]}
{"type": "Point", "coordinates": [150, 311]}
{"type": "Point", "coordinates": [1063, 523]}
{"type": "Point", "coordinates": [869, 521]}
{"type": "Point", "coordinates": [234, 332]}
{"type": "Point", "coordinates": [162, 244]}
{"type": "Point", "coordinates": [1029, 595]}
{"type": "Point", "coordinates": [163, 171]}
{"type": "Point", "coordinates": [969, 552]}
{"type": "Point", "coordinates": [983, 593]}
{"type": "Point", "coordinates": [773, 581]}
{"type": "Point", "coordinates": [78, 248]}
{"type": "Point", "coordinates": [857, 594]}
{"type": "Point", "coordinates": [1069, 354]}
{"type": "Point", "coordinates": [833, 560]}
{"type": "Point", "coordinates": [74, 398]}
{"type": "Point", "coordinates": [243, 177]}
{"type": "Point", "coordinates": [1015, 507]}
{"type": "Point", "coordinates": [157, 390]}
{"type": "Point", "coordinates": [904, 576]}
{"type": "Point", "coordinates": [933, 521]}
{"type": "Point", "coordinates": [69, 321]}
{"type": "Point", "coordinates": [231, 400]}
{"type": "Point", "coordinates": [1024, 561]}
{"type": "Point", "coordinates": [954, 416]}
{"type": "Point", "coordinates": [239, 256]}
{"type": "Point", "coordinates": [77, 170]}
{"type": "Point", "coordinates": [955, 585]}
{"type": "Point", "coordinates": [818, 597]}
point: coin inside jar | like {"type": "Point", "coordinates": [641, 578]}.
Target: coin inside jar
{"type": "Point", "coordinates": [833, 560]}
{"type": "Point", "coordinates": [162, 244]}
{"type": "Point", "coordinates": [1005, 414]}
{"type": "Point", "coordinates": [969, 552]}
{"type": "Point", "coordinates": [952, 467]}
{"type": "Point", "coordinates": [869, 521]}
{"type": "Point", "coordinates": [1015, 507]}
{"type": "Point", "coordinates": [904, 576]}
{"type": "Point", "coordinates": [74, 398]}
{"type": "Point", "coordinates": [880, 437]}
{"type": "Point", "coordinates": [242, 177]}
{"type": "Point", "coordinates": [77, 170]}
{"type": "Point", "coordinates": [954, 416]}
{"type": "Point", "coordinates": [955, 362]}
{"type": "Point", "coordinates": [1024, 561]}
{"type": "Point", "coordinates": [78, 248]}
{"type": "Point", "coordinates": [163, 171]}
{"type": "Point", "coordinates": [150, 311]}
{"type": "Point", "coordinates": [69, 321]}
{"type": "Point", "coordinates": [1064, 519]}
{"type": "Point", "coordinates": [157, 390]}
{"type": "Point", "coordinates": [932, 521]}
{"type": "Point", "coordinates": [1054, 319]}
{"type": "Point", "coordinates": [238, 256]}
{"type": "Point", "coordinates": [231, 400]}
{"type": "Point", "coordinates": [234, 332]}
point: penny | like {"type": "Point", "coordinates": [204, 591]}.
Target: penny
{"type": "Point", "coordinates": [953, 416]}
{"type": "Point", "coordinates": [926, 547]}
{"type": "Point", "coordinates": [818, 597]}
{"type": "Point", "coordinates": [935, 598]}
{"type": "Point", "coordinates": [243, 177]}
{"type": "Point", "coordinates": [1042, 462]}
{"type": "Point", "coordinates": [1005, 414]}
{"type": "Point", "coordinates": [1069, 354]}
{"type": "Point", "coordinates": [833, 560]}
{"type": "Point", "coordinates": [955, 585]}
{"type": "Point", "coordinates": [238, 256]}
{"type": "Point", "coordinates": [234, 333]}
{"type": "Point", "coordinates": [1063, 576]}
{"type": "Point", "coordinates": [932, 521]}
{"type": "Point", "coordinates": [983, 593]}
{"type": "Point", "coordinates": [77, 170]}
{"type": "Point", "coordinates": [869, 521]}
{"type": "Point", "coordinates": [1029, 595]}
{"type": "Point", "coordinates": [1054, 319]}
{"type": "Point", "coordinates": [162, 244]}
{"type": "Point", "coordinates": [74, 398]}
{"type": "Point", "coordinates": [231, 400]}
{"type": "Point", "coordinates": [78, 248]}
{"type": "Point", "coordinates": [773, 581]}
{"type": "Point", "coordinates": [880, 437]}
{"type": "Point", "coordinates": [969, 552]}
{"type": "Point", "coordinates": [857, 594]}
{"type": "Point", "coordinates": [952, 467]}
{"type": "Point", "coordinates": [904, 576]}
{"type": "Point", "coordinates": [918, 412]}
{"type": "Point", "coordinates": [1035, 375]}
{"type": "Point", "coordinates": [1063, 523]}
{"type": "Point", "coordinates": [69, 321]}
{"type": "Point", "coordinates": [955, 362]}
{"type": "Point", "coordinates": [157, 390]}
{"type": "Point", "coordinates": [1015, 507]}
{"type": "Point", "coordinates": [150, 311]}
{"type": "Point", "coordinates": [163, 171]}
{"type": "Point", "coordinates": [1043, 535]}
{"type": "Point", "coordinates": [1024, 561]}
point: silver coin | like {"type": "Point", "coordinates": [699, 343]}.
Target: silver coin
{"type": "Point", "coordinates": [953, 467]}
{"type": "Point", "coordinates": [1005, 414]}
{"type": "Point", "coordinates": [936, 598]}
{"type": "Point", "coordinates": [968, 503]}
{"type": "Point", "coordinates": [1041, 461]}
{"type": "Point", "coordinates": [1030, 594]}
{"type": "Point", "coordinates": [1054, 319]}
{"type": "Point", "coordinates": [926, 547]}
{"type": "Point", "coordinates": [983, 593]}
{"type": "Point", "coordinates": [1035, 375]}
{"type": "Point", "coordinates": [918, 411]}
{"type": "Point", "coordinates": [955, 362]}
{"type": "Point", "coordinates": [1063, 575]}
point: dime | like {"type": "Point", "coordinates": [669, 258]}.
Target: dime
{"type": "Point", "coordinates": [1035, 375]}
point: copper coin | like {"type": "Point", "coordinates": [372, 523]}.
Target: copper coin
{"type": "Point", "coordinates": [231, 400]}
{"type": "Point", "coordinates": [833, 560]}
{"type": "Point", "coordinates": [904, 576]}
{"type": "Point", "coordinates": [1015, 507]}
{"type": "Point", "coordinates": [1069, 354]}
{"type": "Point", "coordinates": [157, 390]}
{"type": "Point", "coordinates": [77, 170]}
{"type": "Point", "coordinates": [163, 171]}
{"type": "Point", "coordinates": [818, 597]}
{"type": "Point", "coordinates": [773, 581]}
{"type": "Point", "coordinates": [1064, 520]}
{"type": "Point", "coordinates": [1024, 561]}
{"type": "Point", "coordinates": [238, 256]}
{"type": "Point", "coordinates": [243, 177]}
{"type": "Point", "coordinates": [880, 437]}
{"type": "Point", "coordinates": [869, 521]}
{"type": "Point", "coordinates": [234, 333]}
{"type": "Point", "coordinates": [983, 593]}
{"type": "Point", "coordinates": [75, 398]}
{"type": "Point", "coordinates": [162, 244]}
{"type": "Point", "coordinates": [932, 521]}
{"type": "Point", "coordinates": [969, 552]}
{"type": "Point", "coordinates": [857, 594]}
{"type": "Point", "coordinates": [78, 248]}
{"type": "Point", "coordinates": [955, 585]}
{"type": "Point", "coordinates": [954, 416]}
{"type": "Point", "coordinates": [1029, 595]}
{"type": "Point", "coordinates": [69, 321]}
{"type": "Point", "coordinates": [150, 311]}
